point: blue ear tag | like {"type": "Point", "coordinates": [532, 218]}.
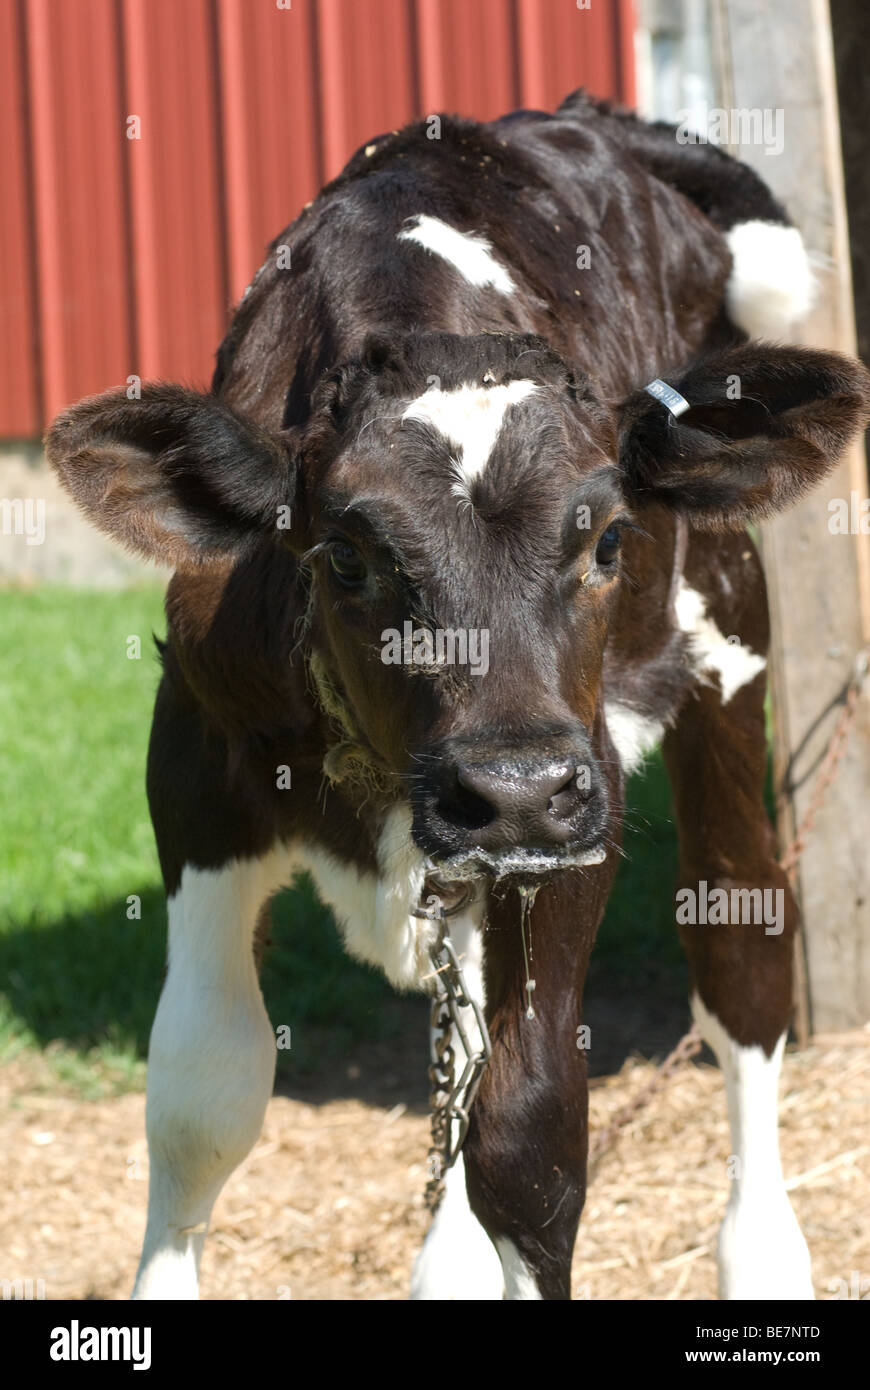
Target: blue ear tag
{"type": "Point", "coordinates": [669, 398]}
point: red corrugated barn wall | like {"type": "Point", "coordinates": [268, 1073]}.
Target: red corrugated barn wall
{"type": "Point", "coordinates": [121, 255]}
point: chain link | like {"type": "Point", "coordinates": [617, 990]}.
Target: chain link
{"type": "Point", "coordinates": [450, 1100]}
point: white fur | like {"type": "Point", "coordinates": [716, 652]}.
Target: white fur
{"type": "Point", "coordinates": [470, 418]}
{"type": "Point", "coordinates": [212, 1053]}
{"type": "Point", "coordinates": [762, 1252]}
{"type": "Point", "coordinates": [467, 252]}
{"type": "Point", "coordinates": [633, 734]}
{"type": "Point", "coordinates": [519, 1280]}
{"type": "Point", "coordinates": [711, 653]}
{"type": "Point", "coordinates": [211, 1064]}
{"type": "Point", "coordinates": [211, 1060]}
{"type": "Point", "coordinates": [771, 284]}
{"type": "Point", "coordinates": [374, 911]}
{"type": "Point", "coordinates": [458, 1261]}
{"type": "Point", "coordinates": [211, 1057]}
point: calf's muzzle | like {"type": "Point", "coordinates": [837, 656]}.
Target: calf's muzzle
{"type": "Point", "coordinates": [479, 808]}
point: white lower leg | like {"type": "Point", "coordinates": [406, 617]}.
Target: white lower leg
{"type": "Point", "coordinates": [457, 1259]}
{"type": "Point", "coordinates": [211, 1064]}
{"type": "Point", "coordinates": [762, 1251]}
{"type": "Point", "coordinates": [520, 1282]}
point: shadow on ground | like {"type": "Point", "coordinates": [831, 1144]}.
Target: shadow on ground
{"type": "Point", "coordinates": [351, 1035]}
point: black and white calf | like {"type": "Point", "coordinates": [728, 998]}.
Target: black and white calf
{"type": "Point", "coordinates": [433, 412]}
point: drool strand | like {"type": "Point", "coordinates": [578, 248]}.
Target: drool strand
{"type": "Point", "coordinates": [527, 902]}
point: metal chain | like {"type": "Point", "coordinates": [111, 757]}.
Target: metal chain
{"type": "Point", "coordinates": [450, 1100]}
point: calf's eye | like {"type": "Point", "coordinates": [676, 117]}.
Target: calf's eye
{"type": "Point", "coordinates": [347, 565]}
{"type": "Point", "coordinates": [608, 546]}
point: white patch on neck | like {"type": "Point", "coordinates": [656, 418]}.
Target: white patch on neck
{"type": "Point", "coordinates": [711, 652]}
{"type": "Point", "coordinates": [633, 734]}
{"type": "Point", "coordinates": [771, 284]}
{"type": "Point", "coordinates": [762, 1252]}
{"type": "Point", "coordinates": [470, 418]}
{"type": "Point", "coordinates": [374, 910]}
{"type": "Point", "coordinates": [469, 253]}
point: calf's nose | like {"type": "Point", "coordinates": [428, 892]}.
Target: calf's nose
{"type": "Point", "coordinates": [512, 803]}
{"type": "Point", "coordinates": [518, 798]}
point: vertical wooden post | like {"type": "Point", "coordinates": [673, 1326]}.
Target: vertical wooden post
{"type": "Point", "coordinates": [775, 56]}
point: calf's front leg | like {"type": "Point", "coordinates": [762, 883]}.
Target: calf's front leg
{"type": "Point", "coordinates": [211, 1065]}
{"type": "Point", "coordinates": [525, 1153]}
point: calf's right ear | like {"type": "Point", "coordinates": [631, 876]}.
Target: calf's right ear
{"type": "Point", "coordinates": [176, 476]}
{"type": "Point", "coordinates": [760, 426]}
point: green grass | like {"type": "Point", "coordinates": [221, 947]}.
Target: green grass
{"type": "Point", "coordinates": [638, 925]}
{"type": "Point", "coordinates": [75, 839]}
{"type": "Point", "coordinates": [79, 977]}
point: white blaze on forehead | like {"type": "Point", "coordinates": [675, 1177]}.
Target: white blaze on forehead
{"type": "Point", "coordinates": [470, 418]}
{"type": "Point", "coordinates": [469, 253]}
{"type": "Point", "coordinates": [711, 652]}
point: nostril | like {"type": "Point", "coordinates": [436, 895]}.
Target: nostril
{"type": "Point", "coordinates": [464, 806]}
{"type": "Point", "coordinates": [564, 802]}
{"type": "Point", "coordinates": [575, 790]}
{"type": "Point", "coordinates": [516, 797]}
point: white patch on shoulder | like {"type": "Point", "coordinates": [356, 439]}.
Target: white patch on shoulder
{"type": "Point", "coordinates": [771, 285]}
{"type": "Point", "coordinates": [711, 652]}
{"type": "Point", "coordinates": [633, 734]}
{"type": "Point", "coordinates": [762, 1251]}
{"type": "Point", "coordinates": [374, 910]}
{"type": "Point", "coordinates": [518, 1278]}
{"type": "Point", "coordinates": [470, 418]}
{"type": "Point", "coordinates": [468, 252]}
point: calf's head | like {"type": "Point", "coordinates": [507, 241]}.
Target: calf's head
{"type": "Point", "coordinates": [458, 508]}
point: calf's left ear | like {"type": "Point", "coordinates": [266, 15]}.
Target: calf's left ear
{"type": "Point", "coordinates": [175, 475]}
{"type": "Point", "coordinates": [762, 427]}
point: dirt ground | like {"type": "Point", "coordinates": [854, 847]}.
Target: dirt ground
{"type": "Point", "coordinates": [329, 1203]}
